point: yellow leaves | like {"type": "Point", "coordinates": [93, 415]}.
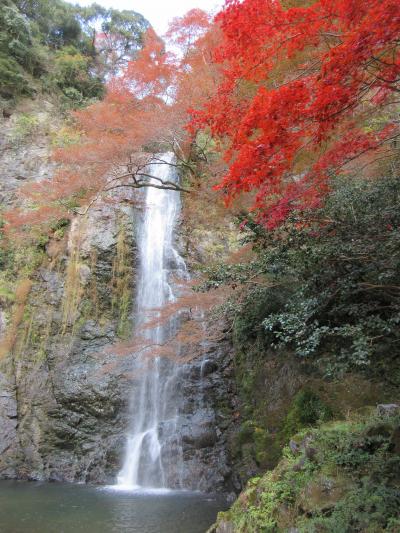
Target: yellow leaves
{"type": "Point", "coordinates": [21, 296]}
{"type": "Point", "coordinates": [66, 136]}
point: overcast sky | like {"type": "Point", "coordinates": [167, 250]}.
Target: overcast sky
{"type": "Point", "coordinates": [158, 12]}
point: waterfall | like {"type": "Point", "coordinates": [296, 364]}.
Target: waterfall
{"type": "Point", "coordinates": [153, 457]}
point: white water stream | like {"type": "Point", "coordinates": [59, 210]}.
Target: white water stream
{"type": "Point", "coordinates": [153, 456]}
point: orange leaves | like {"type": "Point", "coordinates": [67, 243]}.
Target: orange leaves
{"type": "Point", "coordinates": [151, 73]}
{"type": "Point", "coordinates": [185, 31]}
{"type": "Point", "coordinates": [144, 109]}
{"type": "Point", "coordinates": [20, 220]}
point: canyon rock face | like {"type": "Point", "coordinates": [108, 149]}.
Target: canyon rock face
{"type": "Point", "coordinates": [205, 421]}
{"type": "Point", "coordinates": [65, 370]}
{"type": "Point", "coordinates": [64, 391]}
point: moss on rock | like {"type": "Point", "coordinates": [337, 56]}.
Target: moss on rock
{"type": "Point", "coordinates": [341, 477]}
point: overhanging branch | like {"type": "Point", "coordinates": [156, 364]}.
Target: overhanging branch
{"type": "Point", "coordinates": [137, 178]}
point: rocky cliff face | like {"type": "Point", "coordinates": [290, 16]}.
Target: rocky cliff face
{"type": "Point", "coordinates": [64, 382]}
{"type": "Point", "coordinates": [66, 392]}
{"type": "Point", "coordinates": [208, 401]}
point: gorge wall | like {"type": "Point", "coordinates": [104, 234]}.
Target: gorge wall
{"type": "Point", "coordinates": [66, 305]}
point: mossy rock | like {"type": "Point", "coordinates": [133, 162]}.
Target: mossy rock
{"type": "Point", "coordinates": [351, 484]}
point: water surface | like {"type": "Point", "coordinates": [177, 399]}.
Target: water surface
{"type": "Point", "coordinates": [66, 508]}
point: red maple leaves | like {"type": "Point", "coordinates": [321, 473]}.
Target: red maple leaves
{"type": "Point", "coordinates": [305, 91]}
{"type": "Point", "coordinates": [294, 95]}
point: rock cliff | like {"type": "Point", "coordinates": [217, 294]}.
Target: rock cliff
{"type": "Point", "coordinates": [65, 385]}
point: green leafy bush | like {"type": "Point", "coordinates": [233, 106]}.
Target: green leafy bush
{"type": "Point", "coordinates": [331, 280]}
{"type": "Point", "coordinates": [71, 74]}
{"type": "Point", "coordinates": [24, 127]}
{"type": "Point", "coordinates": [307, 409]}
{"type": "Point", "coordinates": [347, 298]}
{"type": "Point", "coordinates": [13, 82]}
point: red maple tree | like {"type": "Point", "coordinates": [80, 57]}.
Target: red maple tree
{"type": "Point", "coordinates": [307, 89]}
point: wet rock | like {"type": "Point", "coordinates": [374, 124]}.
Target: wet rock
{"type": "Point", "coordinates": [310, 453]}
{"type": "Point", "coordinates": [201, 438]}
{"type": "Point", "coordinates": [388, 409]}
{"type": "Point", "coordinates": [230, 498]}
{"type": "Point", "coordinates": [208, 367]}
{"type": "Point", "coordinates": [222, 527]}
{"type": "Point", "coordinates": [70, 420]}
{"type": "Point", "coordinates": [91, 330]}
{"type": "Point", "coordinates": [8, 422]}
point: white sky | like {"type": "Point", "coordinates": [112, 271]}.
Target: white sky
{"type": "Point", "coordinates": [158, 12]}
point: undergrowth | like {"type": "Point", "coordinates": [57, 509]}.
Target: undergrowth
{"type": "Point", "coordinates": [343, 477]}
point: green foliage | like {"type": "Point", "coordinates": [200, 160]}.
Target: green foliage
{"type": "Point", "coordinates": [20, 53]}
{"type": "Point", "coordinates": [51, 44]}
{"type": "Point", "coordinates": [344, 478]}
{"type": "Point", "coordinates": [258, 304]}
{"type": "Point", "coordinates": [369, 508]}
{"type": "Point", "coordinates": [54, 21]}
{"type": "Point", "coordinates": [7, 296]}
{"type": "Point", "coordinates": [66, 136]}
{"type": "Point", "coordinates": [13, 81]}
{"type": "Point", "coordinates": [69, 64]}
{"type": "Point", "coordinates": [122, 31]}
{"type": "Point", "coordinates": [16, 39]}
{"type": "Point", "coordinates": [60, 227]}
{"type": "Point", "coordinates": [24, 127]}
{"type": "Point", "coordinates": [6, 252]}
{"type": "Point", "coordinates": [246, 432]}
{"type": "Point", "coordinates": [42, 242]}
{"type": "Point", "coordinates": [338, 272]}
{"type": "Point", "coordinates": [307, 409]}
{"type": "Point", "coordinates": [71, 74]}
{"type": "Point", "coordinates": [348, 271]}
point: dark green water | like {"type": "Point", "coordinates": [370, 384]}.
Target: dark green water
{"type": "Point", "coordinates": [64, 508]}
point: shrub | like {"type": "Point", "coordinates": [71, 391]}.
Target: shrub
{"type": "Point", "coordinates": [350, 483]}
{"type": "Point", "coordinates": [13, 82]}
{"type": "Point", "coordinates": [25, 126]}
{"type": "Point", "coordinates": [328, 280]}
{"type": "Point", "coordinates": [307, 410]}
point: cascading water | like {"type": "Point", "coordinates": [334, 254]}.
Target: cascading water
{"type": "Point", "coordinates": [153, 454]}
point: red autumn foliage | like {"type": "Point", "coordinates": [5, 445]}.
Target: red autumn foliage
{"type": "Point", "coordinates": [294, 91]}
{"type": "Point", "coordinates": [305, 91]}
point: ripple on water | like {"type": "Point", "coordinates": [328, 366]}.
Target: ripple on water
{"type": "Point", "coordinates": [72, 508]}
